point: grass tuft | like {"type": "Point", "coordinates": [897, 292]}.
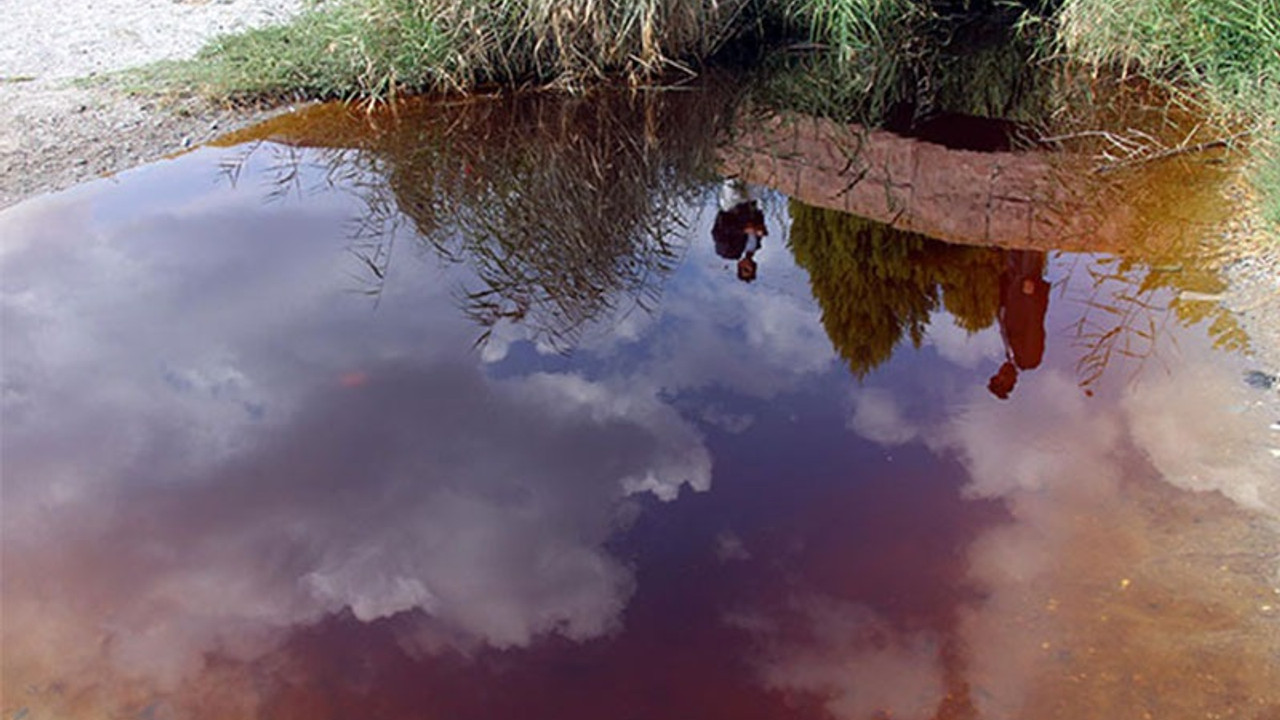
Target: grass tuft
{"type": "Point", "coordinates": [375, 49]}
{"type": "Point", "coordinates": [1266, 180]}
{"type": "Point", "coordinates": [1224, 55]}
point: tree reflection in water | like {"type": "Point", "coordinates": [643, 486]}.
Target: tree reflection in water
{"type": "Point", "coordinates": [876, 283]}
{"type": "Point", "coordinates": [567, 210]}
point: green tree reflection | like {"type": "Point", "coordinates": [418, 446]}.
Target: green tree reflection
{"type": "Point", "coordinates": [877, 284]}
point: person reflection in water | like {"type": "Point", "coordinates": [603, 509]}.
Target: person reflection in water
{"type": "Point", "coordinates": [1024, 300]}
{"type": "Point", "coordinates": [738, 228]}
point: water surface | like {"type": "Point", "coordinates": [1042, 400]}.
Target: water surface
{"type": "Point", "coordinates": [462, 412]}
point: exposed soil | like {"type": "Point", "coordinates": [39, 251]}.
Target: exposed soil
{"type": "Point", "coordinates": [60, 124]}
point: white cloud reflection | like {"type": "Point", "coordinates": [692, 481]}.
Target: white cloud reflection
{"type": "Point", "coordinates": [959, 346]}
{"type": "Point", "coordinates": [193, 466]}
{"type": "Point", "coordinates": [859, 664]}
{"type": "Point", "coordinates": [877, 417]}
{"type": "Point", "coordinates": [484, 505]}
{"type": "Point", "coordinates": [1075, 586]}
{"type": "Point", "coordinates": [1206, 430]}
{"type": "Point", "coordinates": [181, 483]}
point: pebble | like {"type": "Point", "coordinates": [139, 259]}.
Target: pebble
{"type": "Point", "coordinates": [1260, 380]}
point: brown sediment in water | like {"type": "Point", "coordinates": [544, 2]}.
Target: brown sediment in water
{"type": "Point", "coordinates": [1157, 604]}
{"type": "Point", "coordinates": [349, 125]}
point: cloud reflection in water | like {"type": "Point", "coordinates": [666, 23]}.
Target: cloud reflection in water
{"type": "Point", "coordinates": [185, 487]}
{"type": "Point", "coordinates": [192, 466]}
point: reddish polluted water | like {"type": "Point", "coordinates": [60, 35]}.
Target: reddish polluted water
{"type": "Point", "coordinates": [463, 411]}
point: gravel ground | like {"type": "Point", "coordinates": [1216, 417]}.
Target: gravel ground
{"type": "Point", "coordinates": [55, 132]}
{"type": "Point", "coordinates": [1253, 295]}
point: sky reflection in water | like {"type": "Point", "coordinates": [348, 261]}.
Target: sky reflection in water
{"type": "Point", "coordinates": [235, 484]}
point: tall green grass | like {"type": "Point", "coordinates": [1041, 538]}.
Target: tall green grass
{"type": "Point", "coordinates": [1223, 55]}
{"type": "Point", "coordinates": [861, 57]}
{"type": "Point", "coordinates": [371, 48]}
{"type": "Point", "coordinates": [978, 69]}
{"type": "Point", "coordinates": [1230, 48]}
{"type": "Point", "coordinates": [851, 29]}
{"type": "Point", "coordinates": [377, 48]}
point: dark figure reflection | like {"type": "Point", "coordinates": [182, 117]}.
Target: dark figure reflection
{"type": "Point", "coordinates": [1024, 300]}
{"type": "Point", "coordinates": [738, 228]}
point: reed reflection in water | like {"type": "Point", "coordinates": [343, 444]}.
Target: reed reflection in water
{"type": "Point", "coordinates": [568, 210]}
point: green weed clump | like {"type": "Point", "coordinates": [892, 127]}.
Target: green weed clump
{"type": "Point", "coordinates": [374, 49]}
{"type": "Point", "coordinates": [334, 50]}
{"type": "Point", "coordinates": [869, 59]}
{"type": "Point", "coordinates": [1231, 48]}
{"type": "Point", "coordinates": [853, 29]}
{"type": "Point", "coordinates": [858, 64]}
{"type": "Point", "coordinates": [1223, 55]}
{"type": "Point", "coordinates": [1266, 179]}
